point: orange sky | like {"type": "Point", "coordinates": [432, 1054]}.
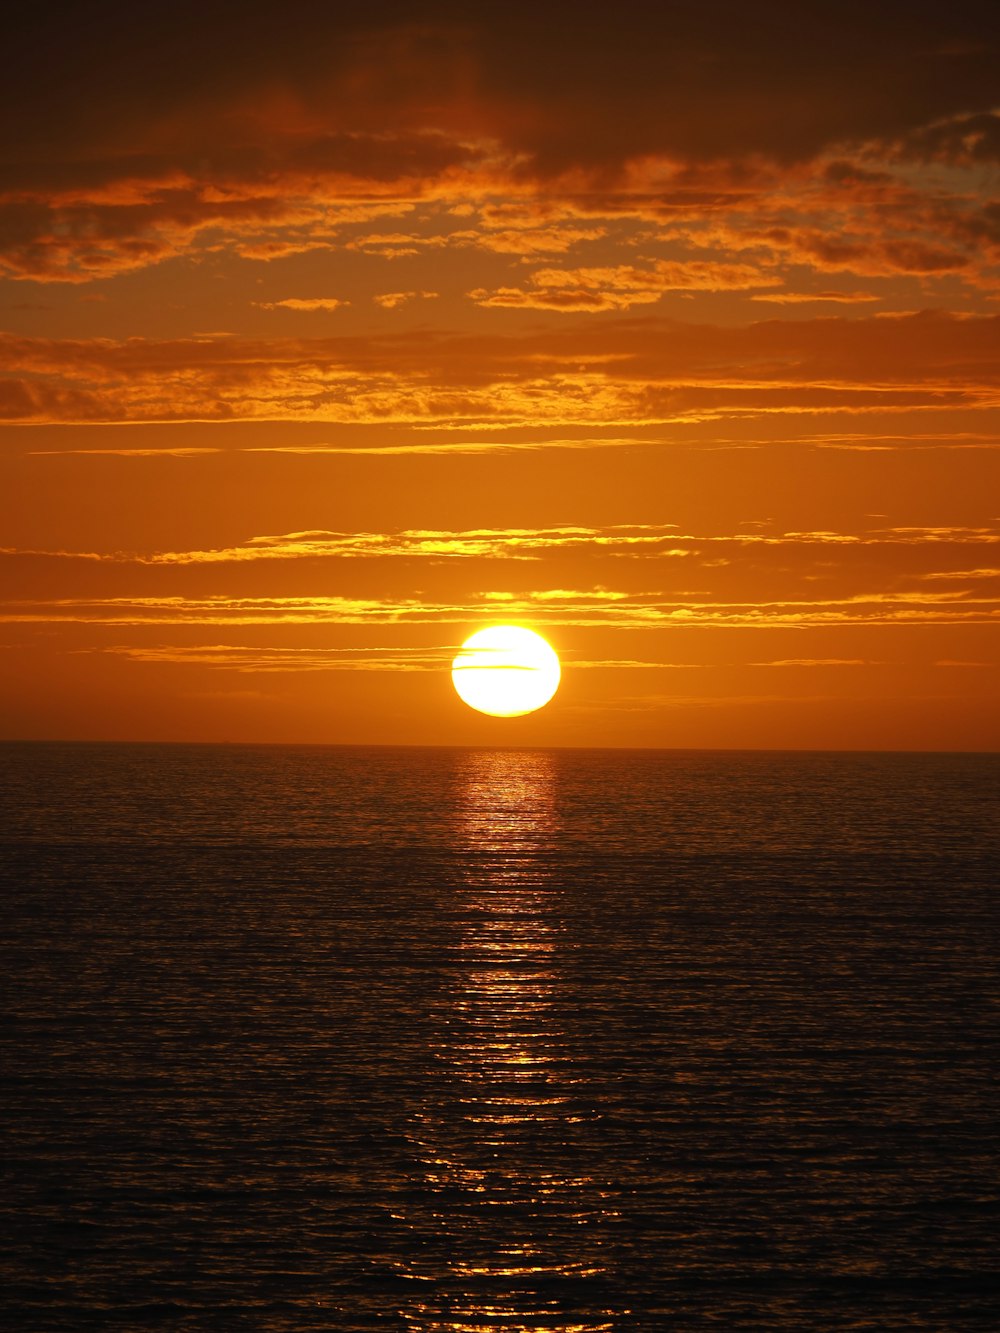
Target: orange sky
{"type": "Point", "coordinates": [672, 333]}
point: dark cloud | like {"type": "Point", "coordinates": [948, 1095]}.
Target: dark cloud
{"type": "Point", "coordinates": [566, 84]}
{"type": "Point", "coordinates": [960, 139]}
{"type": "Point", "coordinates": [132, 134]}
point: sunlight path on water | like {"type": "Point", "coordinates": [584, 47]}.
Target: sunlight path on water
{"type": "Point", "coordinates": [523, 1216]}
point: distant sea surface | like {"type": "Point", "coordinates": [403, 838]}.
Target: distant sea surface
{"type": "Point", "coordinates": [466, 1040]}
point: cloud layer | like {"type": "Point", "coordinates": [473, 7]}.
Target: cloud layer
{"type": "Point", "coordinates": [654, 370]}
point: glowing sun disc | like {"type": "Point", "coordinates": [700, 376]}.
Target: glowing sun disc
{"type": "Point", "coordinates": [506, 671]}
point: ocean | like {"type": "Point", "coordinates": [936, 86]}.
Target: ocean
{"type": "Point", "coordinates": [463, 1039]}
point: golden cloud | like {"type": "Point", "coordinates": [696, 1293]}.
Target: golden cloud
{"type": "Point", "coordinates": [653, 371]}
{"type": "Point", "coordinates": [623, 286]}
{"type": "Point", "coordinates": [554, 607]}
{"type": "Point", "coordinates": [304, 303]}
{"type": "Point", "coordinates": [392, 300]}
{"type": "Point", "coordinates": [635, 542]}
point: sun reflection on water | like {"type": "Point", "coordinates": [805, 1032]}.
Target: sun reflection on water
{"type": "Point", "coordinates": [523, 1220]}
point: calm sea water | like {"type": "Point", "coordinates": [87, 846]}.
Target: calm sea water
{"type": "Point", "coordinates": [350, 1039]}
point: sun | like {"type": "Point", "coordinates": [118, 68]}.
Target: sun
{"type": "Point", "coordinates": [506, 671]}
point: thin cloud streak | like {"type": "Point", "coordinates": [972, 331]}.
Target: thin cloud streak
{"type": "Point", "coordinates": [556, 607]}
{"type": "Point", "coordinates": [495, 443]}
{"type": "Point", "coordinates": [283, 660]}
{"type": "Point", "coordinates": [637, 542]}
{"type": "Point", "coordinates": [292, 660]}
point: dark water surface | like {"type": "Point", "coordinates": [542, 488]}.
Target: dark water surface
{"type": "Point", "coordinates": [349, 1039]}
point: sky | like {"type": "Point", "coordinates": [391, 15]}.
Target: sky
{"type": "Point", "coordinates": [332, 333]}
